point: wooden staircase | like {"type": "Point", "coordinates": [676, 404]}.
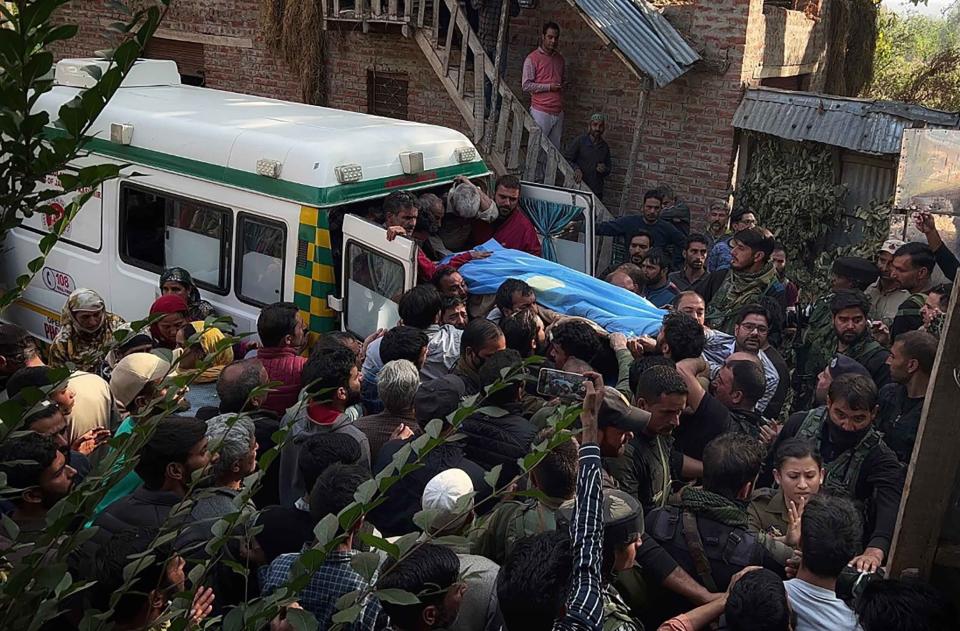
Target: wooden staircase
{"type": "Point", "coordinates": [508, 137]}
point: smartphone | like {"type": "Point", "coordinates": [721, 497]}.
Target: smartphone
{"type": "Point", "coordinates": [557, 383]}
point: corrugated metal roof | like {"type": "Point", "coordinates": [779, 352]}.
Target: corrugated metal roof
{"type": "Point", "coordinates": [642, 35]}
{"type": "Point", "coordinates": [858, 124]}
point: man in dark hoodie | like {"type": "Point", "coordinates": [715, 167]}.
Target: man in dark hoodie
{"type": "Point", "coordinates": [499, 435]}
{"type": "Point", "coordinates": [332, 382]}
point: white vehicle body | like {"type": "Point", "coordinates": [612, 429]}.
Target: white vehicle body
{"type": "Point", "coordinates": [240, 191]}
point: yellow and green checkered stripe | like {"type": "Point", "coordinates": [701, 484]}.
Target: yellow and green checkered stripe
{"type": "Point", "coordinates": [314, 279]}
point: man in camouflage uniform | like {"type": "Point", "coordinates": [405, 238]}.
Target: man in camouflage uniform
{"type": "Point", "coordinates": [818, 341]}
{"type": "Point", "coordinates": [622, 533]}
{"type": "Point", "coordinates": [556, 478]}
{"type": "Point", "coordinates": [858, 463]}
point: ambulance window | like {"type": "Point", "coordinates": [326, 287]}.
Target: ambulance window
{"type": "Point", "coordinates": [374, 285]}
{"type": "Point", "coordinates": [260, 247]}
{"type": "Point", "coordinates": [159, 230]}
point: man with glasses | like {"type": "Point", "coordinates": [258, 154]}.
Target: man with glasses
{"type": "Point", "coordinates": [751, 330]}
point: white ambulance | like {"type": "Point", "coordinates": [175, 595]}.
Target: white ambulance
{"type": "Point", "coordinates": [258, 199]}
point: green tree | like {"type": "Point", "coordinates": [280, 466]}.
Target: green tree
{"type": "Point", "coordinates": [36, 146]}
{"type": "Point", "coordinates": [917, 59]}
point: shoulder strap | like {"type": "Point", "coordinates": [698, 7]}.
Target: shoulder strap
{"type": "Point", "coordinates": [812, 422]}
{"type": "Point", "coordinates": [697, 552]}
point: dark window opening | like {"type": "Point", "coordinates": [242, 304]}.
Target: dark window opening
{"type": "Point", "coordinates": [159, 230]}
{"type": "Point", "coordinates": [797, 83]}
{"type": "Point", "coordinates": [387, 94]}
{"type": "Point", "coordinates": [260, 253]}
{"type": "Point", "coordinates": [188, 55]}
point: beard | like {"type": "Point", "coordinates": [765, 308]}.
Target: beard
{"type": "Point", "coordinates": [850, 337]}
{"type": "Point", "coordinates": [353, 397]}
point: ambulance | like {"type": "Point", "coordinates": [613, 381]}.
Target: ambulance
{"type": "Point", "coordinates": [260, 200]}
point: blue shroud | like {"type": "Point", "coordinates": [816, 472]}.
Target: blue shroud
{"type": "Point", "coordinates": [564, 290]}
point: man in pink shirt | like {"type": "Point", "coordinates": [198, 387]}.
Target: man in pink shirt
{"type": "Point", "coordinates": [543, 80]}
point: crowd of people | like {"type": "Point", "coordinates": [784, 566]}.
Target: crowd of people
{"type": "Point", "coordinates": [745, 465]}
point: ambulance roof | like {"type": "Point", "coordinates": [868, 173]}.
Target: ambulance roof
{"type": "Point", "coordinates": [220, 136]}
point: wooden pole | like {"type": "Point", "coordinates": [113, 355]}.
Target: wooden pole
{"type": "Point", "coordinates": [934, 464]}
{"type": "Point", "coordinates": [498, 62]}
{"type": "Point", "coordinates": [634, 146]}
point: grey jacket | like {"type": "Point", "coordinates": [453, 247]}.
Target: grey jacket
{"type": "Point", "coordinates": [292, 486]}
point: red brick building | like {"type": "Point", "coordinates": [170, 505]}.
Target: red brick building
{"type": "Point", "coordinates": [378, 65]}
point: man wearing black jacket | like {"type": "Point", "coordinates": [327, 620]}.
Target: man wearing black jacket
{"type": "Point", "coordinates": [859, 464]}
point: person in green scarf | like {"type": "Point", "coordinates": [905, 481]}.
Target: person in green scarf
{"type": "Point", "coordinates": [750, 279]}
{"type": "Point", "coordinates": [708, 532]}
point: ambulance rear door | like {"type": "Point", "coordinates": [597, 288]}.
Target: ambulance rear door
{"type": "Point", "coordinates": [575, 244]}
{"type": "Point", "coordinates": [375, 274]}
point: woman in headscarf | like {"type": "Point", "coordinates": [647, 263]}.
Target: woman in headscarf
{"type": "Point", "coordinates": [86, 329]}
{"type": "Point", "coordinates": [178, 281]}
{"type": "Point", "coordinates": [173, 309]}
{"type": "Point", "coordinates": [210, 340]}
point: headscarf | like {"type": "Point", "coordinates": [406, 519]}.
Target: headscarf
{"type": "Point", "coordinates": [171, 303]}
{"type": "Point", "coordinates": [182, 276]}
{"type": "Point", "coordinates": [209, 339]}
{"type": "Point", "coordinates": [74, 343]}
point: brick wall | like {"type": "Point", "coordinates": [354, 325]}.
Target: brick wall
{"type": "Point", "coordinates": [350, 54]}
{"type": "Point", "coordinates": [235, 56]}
{"type": "Point", "coordinates": [686, 140]}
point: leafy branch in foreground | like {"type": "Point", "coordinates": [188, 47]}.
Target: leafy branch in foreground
{"type": "Point", "coordinates": [42, 153]}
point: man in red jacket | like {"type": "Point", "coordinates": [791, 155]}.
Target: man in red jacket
{"type": "Point", "coordinates": [512, 229]}
{"type": "Point", "coordinates": [283, 336]}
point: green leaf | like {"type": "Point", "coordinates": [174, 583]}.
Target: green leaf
{"type": "Point", "coordinates": [301, 619]}
{"type": "Point", "coordinates": [492, 476]}
{"type": "Point", "coordinates": [366, 491]}
{"type": "Point", "coordinates": [396, 596]}
{"type": "Point", "coordinates": [434, 428]}
{"type": "Point", "coordinates": [347, 616]}
{"type": "Point", "coordinates": [326, 529]}
{"type": "Point", "coordinates": [424, 518]}
{"type": "Point", "coordinates": [391, 549]}
{"type": "Point", "coordinates": [366, 564]}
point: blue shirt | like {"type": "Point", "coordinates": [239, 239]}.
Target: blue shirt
{"type": "Point", "coordinates": [720, 255]}
{"type": "Point", "coordinates": [332, 580]}
{"type": "Point", "coordinates": [661, 296]}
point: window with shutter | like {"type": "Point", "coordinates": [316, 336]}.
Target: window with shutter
{"type": "Point", "coordinates": [188, 55]}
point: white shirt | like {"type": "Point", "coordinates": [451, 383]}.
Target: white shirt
{"type": "Point", "coordinates": [819, 609]}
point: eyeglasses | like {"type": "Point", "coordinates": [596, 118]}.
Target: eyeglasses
{"type": "Point", "coordinates": [750, 328]}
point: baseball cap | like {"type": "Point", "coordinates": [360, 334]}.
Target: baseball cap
{"type": "Point", "coordinates": [616, 411]}
{"type": "Point", "coordinates": [891, 245]}
{"type": "Point", "coordinates": [133, 372]}
{"type": "Point", "coordinates": [442, 494]}
{"type": "Point", "coordinates": [843, 365]}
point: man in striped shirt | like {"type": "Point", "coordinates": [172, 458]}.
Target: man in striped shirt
{"type": "Point", "coordinates": [568, 594]}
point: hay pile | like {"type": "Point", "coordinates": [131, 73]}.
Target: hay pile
{"type": "Point", "coordinates": [294, 30]}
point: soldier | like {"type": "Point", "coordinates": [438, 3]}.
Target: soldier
{"type": "Point", "coordinates": [650, 462]}
{"type": "Point", "coordinates": [708, 533]}
{"type": "Point", "coordinates": [556, 478]}
{"type": "Point", "coordinates": [911, 268]}
{"type": "Point", "coordinates": [818, 342]}
{"type": "Point", "coordinates": [622, 533]}
{"type": "Point", "coordinates": [798, 472]}
{"type": "Point", "coordinates": [858, 464]}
